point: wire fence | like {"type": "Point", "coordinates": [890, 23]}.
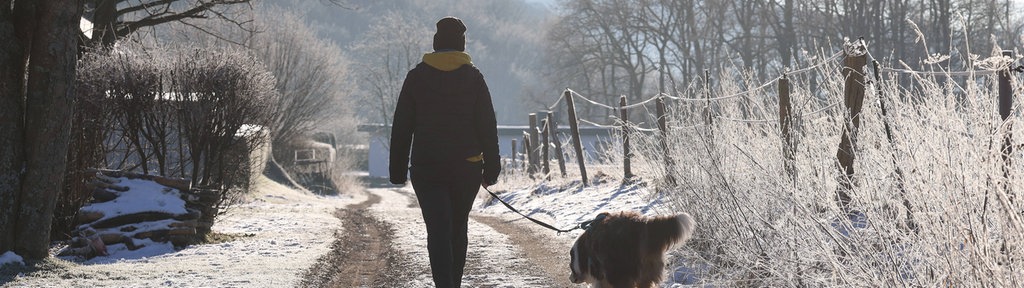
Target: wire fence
{"type": "Point", "coordinates": [822, 112]}
{"type": "Point", "coordinates": [787, 73]}
{"type": "Point", "coordinates": [759, 88]}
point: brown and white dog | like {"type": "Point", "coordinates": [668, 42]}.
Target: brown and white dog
{"type": "Point", "coordinates": [627, 249]}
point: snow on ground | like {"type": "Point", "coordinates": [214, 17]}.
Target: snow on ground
{"type": "Point", "coordinates": [501, 261]}
{"type": "Point", "coordinates": [288, 231]}
{"type": "Point", "coordinates": [142, 196]}
{"type": "Point", "coordinates": [566, 206]}
{"type": "Point", "coordinates": [10, 258]}
{"type": "Point", "coordinates": [291, 229]}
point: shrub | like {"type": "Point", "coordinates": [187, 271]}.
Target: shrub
{"type": "Point", "coordinates": [195, 114]}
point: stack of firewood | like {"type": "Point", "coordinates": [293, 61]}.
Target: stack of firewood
{"type": "Point", "coordinates": [206, 202]}
{"type": "Point", "coordinates": [95, 230]}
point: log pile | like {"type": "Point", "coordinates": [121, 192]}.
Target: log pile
{"type": "Point", "coordinates": [96, 230]}
{"type": "Point", "coordinates": [206, 201]}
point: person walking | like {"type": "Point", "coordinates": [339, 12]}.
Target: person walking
{"type": "Point", "coordinates": [445, 115]}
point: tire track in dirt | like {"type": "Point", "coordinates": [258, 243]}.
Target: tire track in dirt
{"type": "Point", "coordinates": [361, 255]}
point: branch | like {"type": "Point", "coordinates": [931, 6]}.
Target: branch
{"type": "Point", "coordinates": [211, 33]}
{"type": "Point", "coordinates": [196, 12]}
{"type": "Point", "coordinates": [143, 6]}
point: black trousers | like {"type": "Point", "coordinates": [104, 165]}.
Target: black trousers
{"type": "Point", "coordinates": [446, 195]}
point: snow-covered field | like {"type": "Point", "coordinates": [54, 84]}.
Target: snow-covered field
{"type": "Point", "coordinates": [284, 232]}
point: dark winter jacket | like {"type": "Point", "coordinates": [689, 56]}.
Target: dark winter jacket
{"type": "Point", "coordinates": [445, 114]}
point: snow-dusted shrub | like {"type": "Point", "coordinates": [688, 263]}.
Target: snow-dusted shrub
{"type": "Point", "coordinates": [189, 113]}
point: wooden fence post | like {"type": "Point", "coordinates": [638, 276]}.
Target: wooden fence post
{"type": "Point", "coordinates": [545, 145]}
{"type": "Point", "coordinates": [574, 128]}
{"type": "Point", "coordinates": [911, 223]}
{"type": "Point", "coordinates": [624, 116]}
{"type": "Point", "coordinates": [553, 122]}
{"type": "Point", "coordinates": [1005, 103]}
{"type": "Point", "coordinates": [514, 154]}
{"type": "Point", "coordinates": [534, 141]}
{"type": "Point", "coordinates": [708, 120]}
{"type": "Point", "coordinates": [663, 129]}
{"type": "Point", "coordinates": [853, 94]}
{"type": "Point", "coordinates": [527, 158]}
{"type": "Point", "coordinates": [786, 125]}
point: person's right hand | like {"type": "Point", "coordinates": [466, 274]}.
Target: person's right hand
{"type": "Point", "coordinates": [490, 175]}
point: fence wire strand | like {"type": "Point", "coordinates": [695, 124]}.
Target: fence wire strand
{"type": "Point", "coordinates": [969, 73]}
{"type": "Point", "coordinates": [559, 100]}
{"type": "Point", "coordinates": [823, 109]}
{"type": "Point", "coordinates": [599, 125]}
{"type": "Point", "coordinates": [942, 73]}
{"type": "Point", "coordinates": [751, 121]}
{"type": "Point", "coordinates": [631, 106]}
{"type": "Point", "coordinates": [834, 57]}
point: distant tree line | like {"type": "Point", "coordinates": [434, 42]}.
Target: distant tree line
{"type": "Point", "coordinates": [607, 48]}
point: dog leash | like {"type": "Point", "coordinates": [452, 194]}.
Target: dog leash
{"type": "Point", "coordinates": [583, 225]}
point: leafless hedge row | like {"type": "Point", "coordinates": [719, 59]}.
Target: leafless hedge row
{"type": "Point", "coordinates": [195, 114]}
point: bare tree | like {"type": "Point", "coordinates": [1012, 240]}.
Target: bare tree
{"type": "Point", "coordinates": [396, 46]}
{"type": "Point", "coordinates": [13, 57]}
{"type": "Point", "coordinates": [38, 98]}
{"type": "Point", "coordinates": [310, 74]}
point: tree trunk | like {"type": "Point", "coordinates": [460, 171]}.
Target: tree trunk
{"type": "Point", "coordinates": [103, 21]}
{"type": "Point", "coordinates": [13, 57]}
{"type": "Point", "coordinates": [50, 90]}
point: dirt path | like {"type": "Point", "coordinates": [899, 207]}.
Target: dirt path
{"type": "Point", "coordinates": [361, 255]}
{"type": "Point", "coordinates": [382, 245]}
{"type": "Point", "coordinates": [545, 257]}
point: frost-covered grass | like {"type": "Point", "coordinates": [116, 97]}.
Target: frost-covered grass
{"type": "Point", "coordinates": [759, 225]}
{"type": "Point", "coordinates": [762, 226]}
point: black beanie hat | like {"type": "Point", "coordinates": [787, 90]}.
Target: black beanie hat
{"type": "Point", "coordinates": [451, 34]}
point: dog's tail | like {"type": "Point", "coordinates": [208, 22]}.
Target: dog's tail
{"type": "Point", "coordinates": [667, 231]}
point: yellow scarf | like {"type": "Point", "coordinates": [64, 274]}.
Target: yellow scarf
{"type": "Point", "coordinates": [447, 61]}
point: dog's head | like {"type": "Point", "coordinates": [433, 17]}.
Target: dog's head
{"type": "Point", "coordinates": [575, 276]}
{"type": "Point", "coordinates": [583, 267]}
{"type": "Point", "coordinates": [579, 262]}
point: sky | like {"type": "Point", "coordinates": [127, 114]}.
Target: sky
{"type": "Point", "coordinates": [551, 3]}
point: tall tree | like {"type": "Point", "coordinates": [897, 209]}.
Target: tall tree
{"type": "Point", "coordinates": [46, 37]}
{"type": "Point", "coordinates": [309, 71]}
{"type": "Point", "coordinates": [13, 57]}
{"type": "Point", "coordinates": [397, 46]}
